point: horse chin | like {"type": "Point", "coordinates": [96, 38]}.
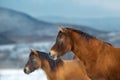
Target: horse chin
{"type": "Point", "coordinates": [27, 72]}
{"type": "Point", "coordinates": [53, 57]}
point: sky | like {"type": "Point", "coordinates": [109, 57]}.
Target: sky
{"type": "Point", "coordinates": [65, 8]}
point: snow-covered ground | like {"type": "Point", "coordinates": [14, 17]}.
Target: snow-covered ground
{"type": "Point", "coordinates": [23, 49]}
{"type": "Point", "coordinates": [18, 74]}
{"type": "Point", "coordinates": [16, 55]}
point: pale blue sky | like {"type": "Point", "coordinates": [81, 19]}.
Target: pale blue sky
{"type": "Point", "coordinates": [65, 8]}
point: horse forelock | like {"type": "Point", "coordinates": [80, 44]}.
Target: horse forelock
{"type": "Point", "coordinates": [53, 63]}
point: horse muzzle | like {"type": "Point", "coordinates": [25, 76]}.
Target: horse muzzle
{"type": "Point", "coordinates": [53, 55]}
{"type": "Point", "coordinates": [26, 70]}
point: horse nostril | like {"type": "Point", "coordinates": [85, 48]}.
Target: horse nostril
{"type": "Point", "coordinates": [24, 70]}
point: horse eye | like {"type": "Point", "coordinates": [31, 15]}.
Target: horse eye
{"type": "Point", "coordinates": [34, 60]}
{"type": "Point", "coordinates": [60, 38]}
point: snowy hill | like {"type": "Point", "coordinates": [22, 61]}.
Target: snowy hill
{"type": "Point", "coordinates": [19, 32]}
{"type": "Point", "coordinates": [20, 27]}
{"type": "Point", "coordinates": [100, 23]}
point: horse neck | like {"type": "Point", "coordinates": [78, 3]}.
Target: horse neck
{"type": "Point", "coordinates": [46, 67]}
{"type": "Point", "coordinates": [85, 49]}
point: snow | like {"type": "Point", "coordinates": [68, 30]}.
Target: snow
{"type": "Point", "coordinates": [18, 74]}
{"type": "Point", "coordinates": [24, 49]}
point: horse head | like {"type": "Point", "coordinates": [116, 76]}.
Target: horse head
{"type": "Point", "coordinates": [62, 45]}
{"type": "Point", "coordinates": [33, 62]}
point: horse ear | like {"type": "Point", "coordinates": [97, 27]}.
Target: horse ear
{"type": "Point", "coordinates": [62, 29]}
{"type": "Point", "coordinates": [34, 51]}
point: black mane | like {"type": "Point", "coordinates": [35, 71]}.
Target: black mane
{"type": "Point", "coordinates": [53, 63]}
{"type": "Point", "coordinates": [86, 35]}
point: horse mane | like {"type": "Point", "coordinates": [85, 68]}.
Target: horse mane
{"type": "Point", "coordinates": [108, 43]}
{"type": "Point", "coordinates": [53, 63]}
{"type": "Point", "coordinates": [86, 35]}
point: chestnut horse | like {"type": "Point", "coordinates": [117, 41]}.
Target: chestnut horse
{"type": "Point", "coordinates": [101, 59]}
{"type": "Point", "coordinates": [55, 69]}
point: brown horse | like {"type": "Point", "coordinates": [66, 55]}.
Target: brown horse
{"type": "Point", "coordinates": [100, 58]}
{"type": "Point", "coordinates": [55, 69]}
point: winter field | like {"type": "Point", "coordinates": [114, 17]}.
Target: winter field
{"type": "Point", "coordinates": [14, 57]}
{"type": "Point", "coordinates": [18, 74]}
